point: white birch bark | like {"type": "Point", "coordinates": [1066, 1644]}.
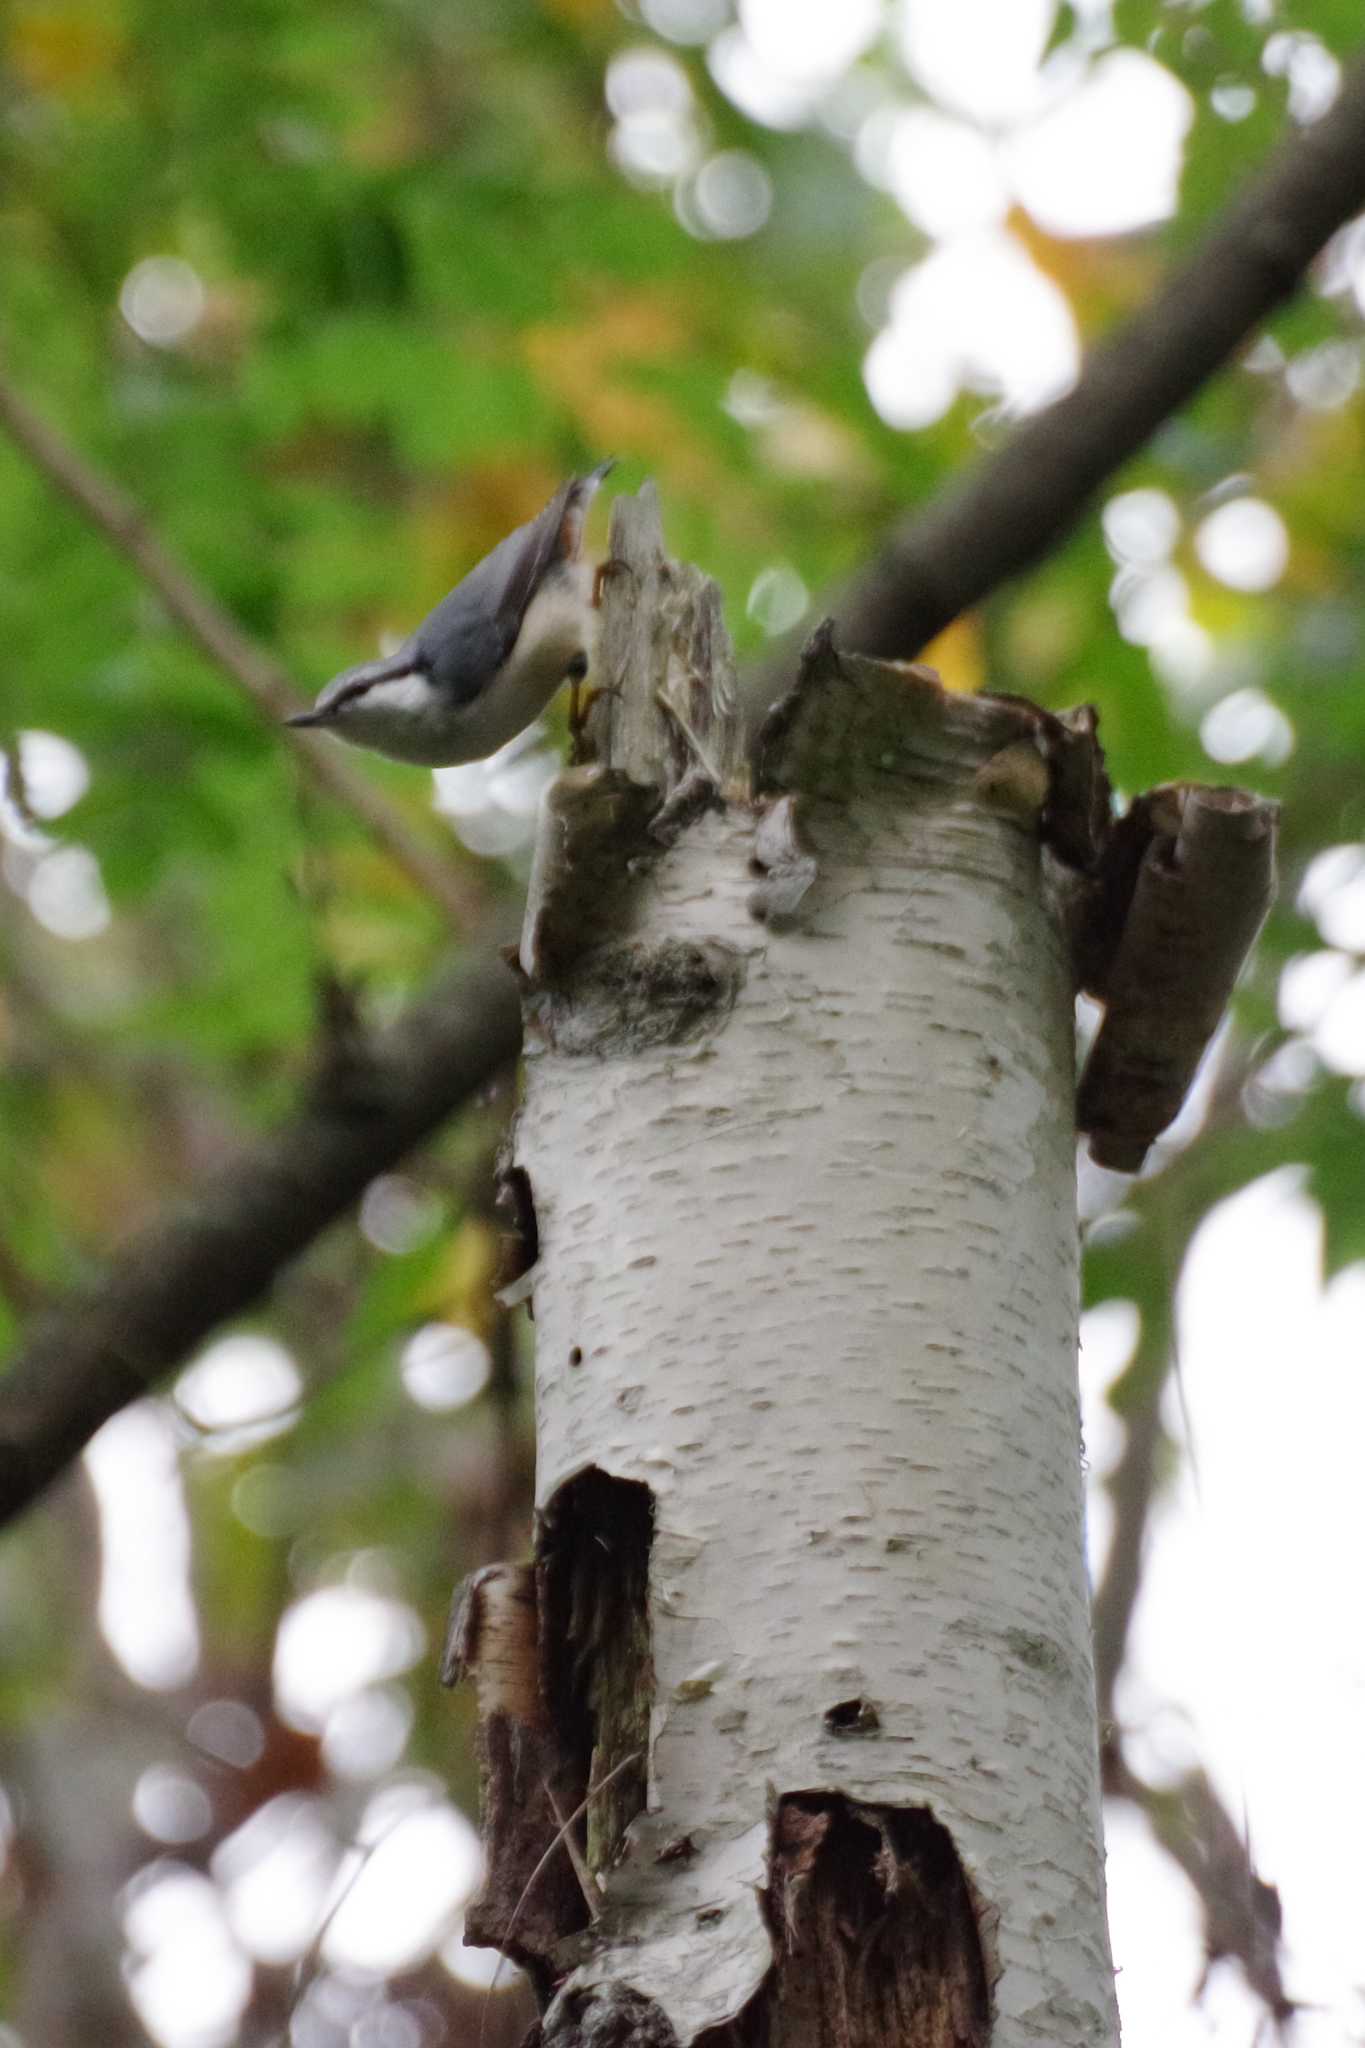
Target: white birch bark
{"type": "Point", "coordinates": [816, 1262]}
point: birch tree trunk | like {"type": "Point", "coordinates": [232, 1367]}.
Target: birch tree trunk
{"type": "Point", "coordinates": [808, 1622]}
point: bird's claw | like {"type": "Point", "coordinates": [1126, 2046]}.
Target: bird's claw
{"type": "Point", "coordinates": [581, 705]}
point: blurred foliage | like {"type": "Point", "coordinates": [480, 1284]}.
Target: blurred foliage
{"type": "Point", "coordinates": [422, 291]}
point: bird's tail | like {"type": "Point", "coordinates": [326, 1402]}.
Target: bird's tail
{"type": "Point", "coordinates": [577, 500]}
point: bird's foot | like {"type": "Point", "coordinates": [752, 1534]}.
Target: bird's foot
{"type": "Point", "coordinates": [581, 706]}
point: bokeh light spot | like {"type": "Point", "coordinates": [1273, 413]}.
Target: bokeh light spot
{"type": "Point", "coordinates": [1244, 543]}
{"type": "Point", "coordinates": [443, 1366]}
{"type": "Point", "coordinates": [162, 299]}
{"type": "Point", "coordinates": [334, 1643]}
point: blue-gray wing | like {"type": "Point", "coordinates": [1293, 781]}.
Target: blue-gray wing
{"type": "Point", "coordinates": [471, 633]}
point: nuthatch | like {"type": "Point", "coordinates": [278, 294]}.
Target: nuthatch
{"type": "Point", "coordinates": [486, 662]}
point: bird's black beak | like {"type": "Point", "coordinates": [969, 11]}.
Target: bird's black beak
{"type": "Point", "coordinates": [306, 718]}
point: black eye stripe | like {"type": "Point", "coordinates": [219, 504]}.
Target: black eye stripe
{"type": "Point", "coordinates": [362, 688]}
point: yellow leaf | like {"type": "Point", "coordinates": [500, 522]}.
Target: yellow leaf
{"type": "Point", "coordinates": [62, 49]}
{"type": "Point", "coordinates": [588, 366]}
{"type": "Point", "coordinates": [461, 1289]}
{"type": "Point", "coordinates": [1102, 277]}
{"type": "Point", "coordinates": [959, 655]}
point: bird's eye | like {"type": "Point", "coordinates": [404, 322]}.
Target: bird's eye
{"type": "Point", "coordinates": [577, 669]}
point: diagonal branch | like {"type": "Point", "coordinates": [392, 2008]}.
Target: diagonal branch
{"type": "Point", "coordinates": [197, 1266]}
{"type": "Point", "coordinates": [261, 679]}
{"type": "Point", "coordinates": [1012, 508]}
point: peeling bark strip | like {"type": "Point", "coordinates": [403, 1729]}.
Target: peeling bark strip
{"type": "Point", "coordinates": [559, 1658]}
{"type": "Point", "coordinates": [809, 1486]}
{"type": "Point", "coordinates": [532, 1897]}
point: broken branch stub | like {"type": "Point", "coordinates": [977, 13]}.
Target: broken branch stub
{"type": "Point", "coordinates": [1189, 879]}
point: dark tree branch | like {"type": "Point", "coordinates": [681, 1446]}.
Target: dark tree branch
{"type": "Point", "coordinates": [1241, 1912]}
{"type": "Point", "coordinates": [1130, 1487]}
{"type": "Point", "coordinates": [1015, 506]}
{"type": "Point", "coordinates": [193, 1269]}
{"type": "Point", "coordinates": [1171, 1206]}
{"type": "Point", "coordinates": [260, 678]}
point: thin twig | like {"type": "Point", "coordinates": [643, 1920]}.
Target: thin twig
{"type": "Point", "coordinates": [108, 508]}
{"type": "Point", "coordinates": [592, 1897]}
{"type": "Point", "coordinates": [14, 783]}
